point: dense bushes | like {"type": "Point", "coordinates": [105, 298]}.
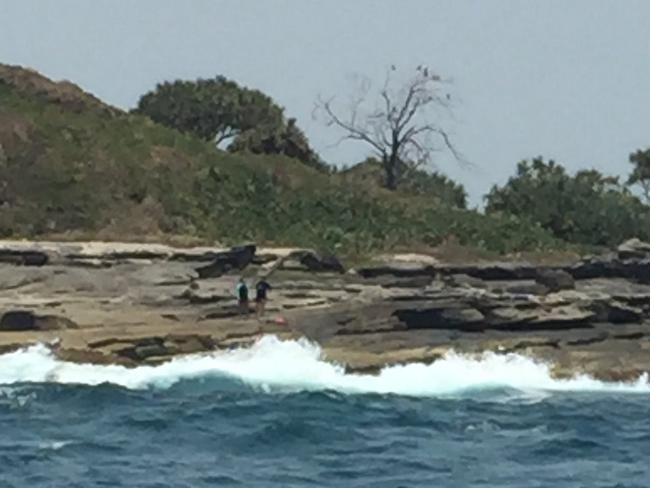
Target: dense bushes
{"type": "Point", "coordinates": [586, 208]}
{"type": "Point", "coordinates": [221, 111]}
{"type": "Point", "coordinates": [119, 176]}
{"type": "Point", "coordinates": [415, 182]}
{"type": "Point", "coordinates": [331, 216]}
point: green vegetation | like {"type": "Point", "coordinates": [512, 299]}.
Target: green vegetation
{"type": "Point", "coordinates": [71, 165]}
{"type": "Point", "coordinates": [587, 208]}
{"type": "Point", "coordinates": [75, 167]}
{"type": "Point", "coordinates": [641, 172]}
{"type": "Point", "coordinates": [414, 182]}
{"type": "Point", "coordinates": [287, 139]}
{"type": "Point", "coordinates": [215, 110]}
{"type": "Point", "coordinates": [220, 110]}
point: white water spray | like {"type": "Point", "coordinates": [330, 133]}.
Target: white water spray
{"type": "Point", "coordinates": [298, 365]}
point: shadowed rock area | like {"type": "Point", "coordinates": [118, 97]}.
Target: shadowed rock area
{"type": "Point", "coordinates": [144, 303]}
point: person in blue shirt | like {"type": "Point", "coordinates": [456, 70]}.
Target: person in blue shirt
{"type": "Point", "coordinates": [242, 297]}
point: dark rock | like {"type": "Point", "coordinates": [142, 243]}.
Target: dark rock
{"type": "Point", "coordinates": [641, 270]}
{"type": "Point", "coordinates": [18, 321]}
{"type": "Point", "coordinates": [22, 320]}
{"type": "Point", "coordinates": [619, 313]}
{"type": "Point", "coordinates": [189, 344]}
{"type": "Point", "coordinates": [397, 282]}
{"type": "Point", "coordinates": [144, 352]}
{"type": "Point", "coordinates": [23, 258]}
{"type": "Point", "coordinates": [326, 262]}
{"type": "Point", "coordinates": [142, 348]}
{"type": "Point", "coordinates": [612, 267]}
{"type": "Point", "coordinates": [555, 279]}
{"type": "Point", "coordinates": [441, 317]}
{"type": "Point", "coordinates": [629, 336]}
{"type": "Point", "coordinates": [496, 271]}
{"type": "Point", "coordinates": [235, 259]}
{"type": "Point", "coordinates": [139, 254]}
{"type": "Point", "coordinates": [398, 269]}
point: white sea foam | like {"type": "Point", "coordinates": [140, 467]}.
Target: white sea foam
{"type": "Point", "coordinates": [298, 365]}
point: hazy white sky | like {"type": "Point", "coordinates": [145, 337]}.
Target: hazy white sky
{"type": "Point", "coordinates": [568, 79]}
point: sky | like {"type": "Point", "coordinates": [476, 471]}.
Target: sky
{"type": "Point", "coordinates": [564, 79]}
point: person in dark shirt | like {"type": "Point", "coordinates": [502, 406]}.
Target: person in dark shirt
{"type": "Point", "coordinates": [242, 297]}
{"type": "Point", "coordinates": [261, 295]}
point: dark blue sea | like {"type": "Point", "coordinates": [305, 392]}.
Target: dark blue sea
{"type": "Point", "coordinates": [217, 422]}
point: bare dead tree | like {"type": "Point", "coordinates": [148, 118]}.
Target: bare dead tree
{"type": "Point", "coordinates": [399, 127]}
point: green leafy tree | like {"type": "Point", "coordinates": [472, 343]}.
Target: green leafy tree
{"type": "Point", "coordinates": [214, 109]}
{"type": "Point", "coordinates": [641, 172]}
{"type": "Point", "coordinates": [436, 185]}
{"type": "Point", "coordinates": [287, 139]}
{"type": "Point", "coordinates": [220, 110]}
{"type": "Point", "coordinates": [587, 208]}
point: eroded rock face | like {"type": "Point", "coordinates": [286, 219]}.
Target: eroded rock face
{"type": "Point", "coordinates": [584, 317]}
{"type": "Point", "coordinates": [23, 258]}
{"type": "Point", "coordinates": [145, 348]}
{"type": "Point", "coordinates": [326, 262]}
{"type": "Point", "coordinates": [398, 269]}
{"type": "Point", "coordinates": [555, 279]}
{"type": "Point", "coordinates": [235, 259]}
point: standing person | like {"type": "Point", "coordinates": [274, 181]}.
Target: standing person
{"type": "Point", "coordinates": [261, 289]}
{"type": "Point", "coordinates": [242, 297]}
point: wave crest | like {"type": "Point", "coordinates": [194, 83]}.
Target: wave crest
{"type": "Point", "coordinates": [273, 364]}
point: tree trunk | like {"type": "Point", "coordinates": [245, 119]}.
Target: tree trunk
{"type": "Point", "coordinates": [390, 167]}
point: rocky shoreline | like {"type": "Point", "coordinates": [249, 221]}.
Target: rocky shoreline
{"type": "Point", "coordinates": [130, 304]}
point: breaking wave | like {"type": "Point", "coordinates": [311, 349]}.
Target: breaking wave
{"type": "Point", "coordinates": [272, 364]}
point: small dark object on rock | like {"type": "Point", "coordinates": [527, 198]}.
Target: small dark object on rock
{"type": "Point", "coordinates": [326, 262]}
{"type": "Point", "coordinates": [555, 279]}
{"type": "Point", "coordinates": [236, 258]}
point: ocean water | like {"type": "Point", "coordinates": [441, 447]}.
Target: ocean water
{"type": "Point", "coordinates": [278, 415]}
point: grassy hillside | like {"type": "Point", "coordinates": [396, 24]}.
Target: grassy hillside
{"type": "Point", "coordinates": [70, 164]}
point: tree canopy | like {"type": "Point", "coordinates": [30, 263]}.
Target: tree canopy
{"type": "Point", "coordinates": [214, 109]}
{"type": "Point", "coordinates": [586, 208]}
{"type": "Point", "coordinates": [641, 172]}
{"type": "Point", "coordinates": [222, 111]}
{"type": "Point", "coordinates": [287, 139]}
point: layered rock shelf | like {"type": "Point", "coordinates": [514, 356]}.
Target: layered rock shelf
{"type": "Point", "coordinates": [143, 303]}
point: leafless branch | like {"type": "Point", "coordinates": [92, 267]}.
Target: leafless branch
{"type": "Point", "coordinates": [399, 128]}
